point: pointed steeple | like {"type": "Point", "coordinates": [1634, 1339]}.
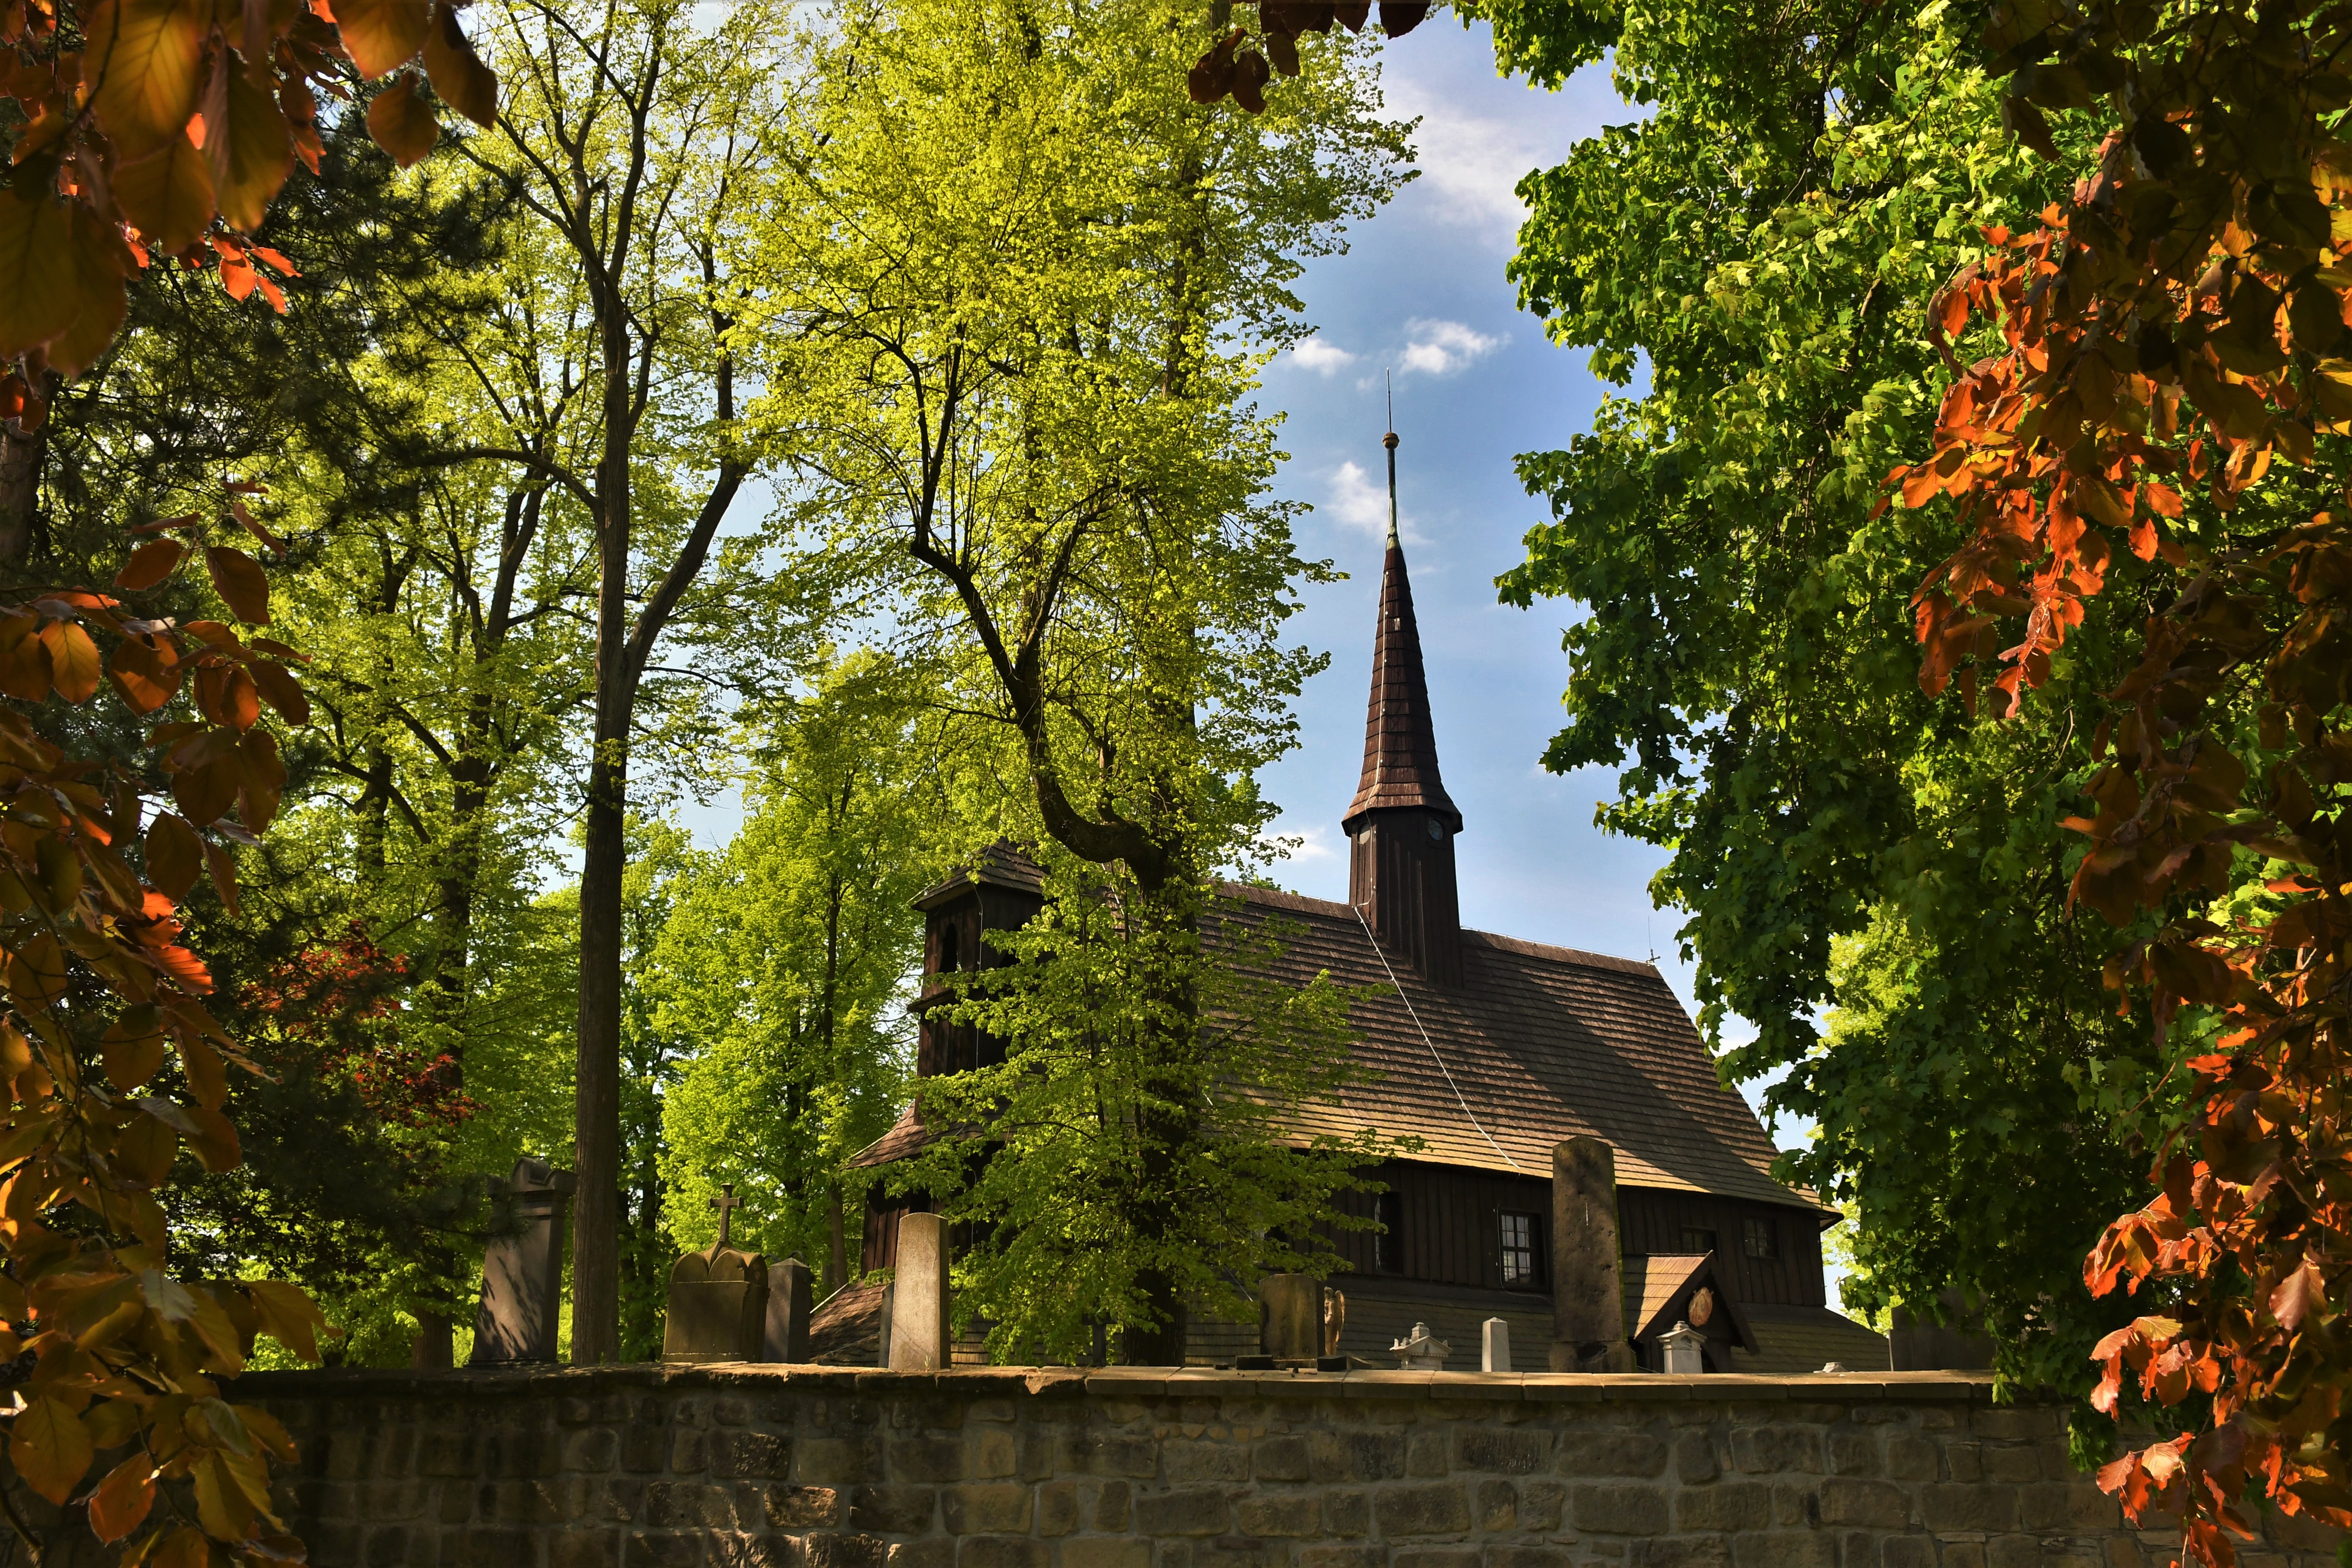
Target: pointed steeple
{"type": "Point", "coordinates": [1401, 823]}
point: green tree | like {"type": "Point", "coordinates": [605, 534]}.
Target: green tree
{"type": "Point", "coordinates": [1759, 250]}
{"type": "Point", "coordinates": [790, 963]}
{"type": "Point", "coordinates": [1019, 289]}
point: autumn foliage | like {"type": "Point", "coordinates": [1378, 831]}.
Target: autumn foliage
{"type": "Point", "coordinates": [2171, 339]}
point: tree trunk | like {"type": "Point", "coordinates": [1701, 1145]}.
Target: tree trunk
{"type": "Point", "coordinates": [20, 488]}
{"type": "Point", "coordinates": [836, 1263]}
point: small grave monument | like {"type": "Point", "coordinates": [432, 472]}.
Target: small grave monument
{"type": "Point", "coordinates": [1588, 1297]}
{"type": "Point", "coordinates": [1424, 1351]}
{"type": "Point", "coordinates": [789, 1305]}
{"type": "Point", "coordinates": [1685, 1348]}
{"type": "Point", "coordinates": [919, 1292]}
{"type": "Point", "coordinates": [1290, 1310]}
{"type": "Point", "coordinates": [1494, 1346]}
{"type": "Point", "coordinates": [523, 1270]}
{"type": "Point", "coordinates": [718, 1299]}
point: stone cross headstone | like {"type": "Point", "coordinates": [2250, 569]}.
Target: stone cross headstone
{"type": "Point", "coordinates": [789, 1304]}
{"type": "Point", "coordinates": [1290, 1316]}
{"type": "Point", "coordinates": [918, 1306]}
{"type": "Point", "coordinates": [522, 1269]}
{"type": "Point", "coordinates": [1587, 1295]}
{"type": "Point", "coordinates": [718, 1299]}
{"type": "Point", "coordinates": [1494, 1346]}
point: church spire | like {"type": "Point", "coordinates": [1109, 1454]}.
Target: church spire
{"type": "Point", "coordinates": [1401, 824]}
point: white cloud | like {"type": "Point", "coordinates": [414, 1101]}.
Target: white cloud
{"type": "Point", "coordinates": [1307, 843]}
{"type": "Point", "coordinates": [1440, 348]}
{"type": "Point", "coordinates": [1324, 359]}
{"type": "Point", "coordinates": [1471, 163]}
{"type": "Point", "coordinates": [1362, 501]}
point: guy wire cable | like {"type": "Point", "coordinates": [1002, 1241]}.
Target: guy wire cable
{"type": "Point", "coordinates": [1425, 1040]}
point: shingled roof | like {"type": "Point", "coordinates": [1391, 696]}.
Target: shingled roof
{"type": "Point", "coordinates": [1541, 1043]}
{"type": "Point", "coordinates": [1400, 741]}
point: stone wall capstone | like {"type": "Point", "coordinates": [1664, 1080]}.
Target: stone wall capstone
{"type": "Point", "coordinates": [754, 1467]}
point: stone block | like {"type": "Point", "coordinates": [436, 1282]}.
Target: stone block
{"type": "Point", "coordinates": [516, 1453]}
{"type": "Point", "coordinates": [825, 1550]}
{"type": "Point", "coordinates": [1505, 1450]}
{"type": "Point", "coordinates": [1440, 1510]}
{"type": "Point", "coordinates": [1963, 1461]}
{"type": "Point", "coordinates": [1280, 1458]}
{"type": "Point", "coordinates": [444, 1454]}
{"type": "Point", "coordinates": [1694, 1457]}
{"type": "Point", "coordinates": [1497, 1507]}
{"type": "Point", "coordinates": [1112, 1506]}
{"type": "Point", "coordinates": [1104, 1552]}
{"type": "Point", "coordinates": [996, 1455]}
{"type": "Point", "coordinates": [584, 1549]}
{"type": "Point", "coordinates": [2012, 1552]}
{"type": "Point", "coordinates": [1199, 1461]}
{"type": "Point", "coordinates": [1961, 1553]}
{"type": "Point", "coordinates": [738, 1549]}
{"type": "Point", "coordinates": [526, 1502]}
{"type": "Point", "coordinates": [1618, 1509]}
{"type": "Point", "coordinates": [932, 1551]}
{"type": "Point", "coordinates": [1766, 1450]}
{"type": "Point", "coordinates": [489, 1546]}
{"type": "Point", "coordinates": [2013, 1421]}
{"type": "Point", "coordinates": [1854, 1451]}
{"type": "Point", "coordinates": [1343, 1557]}
{"type": "Point", "coordinates": [832, 1462]}
{"type": "Point", "coordinates": [671, 1505]}
{"type": "Point", "coordinates": [1905, 1551]}
{"type": "Point", "coordinates": [1609, 1453]}
{"type": "Point", "coordinates": [1280, 1514]}
{"type": "Point", "coordinates": [1541, 1504]}
{"type": "Point", "coordinates": [1679, 1552]}
{"type": "Point", "coordinates": [750, 1455]}
{"type": "Point", "coordinates": [1727, 1505]}
{"type": "Point", "coordinates": [927, 1457]}
{"type": "Point", "coordinates": [1426, 1455]}
{"type": "Point", "coordinates": [1949, 1506]}
{"type": "Point", "coordinates": [893, 1509]}
{"type": "Point", "coordinates": [1002, 1552]}
{"type": "Point", "coordinates": [800, 1508]}
{"type": "Point", "coordinates": [1347, 1514]}
{"type": "Point", "coordinates": [593, 1449]}
{"type": "Point", "coordinates": [1845, 1499]}
{"type": "Point", "coordinates": [663, 1548]}
{"type": "Point", "coordinates": [1058, 1507]}
{"type": "Point", "coordinates": [986, 1508]}
{"type": "Point", "coordinates": [1516, 1556]}
{"type": "Point", "coordinates": [689, 1453]}
{"type": "Point", "coordinates": [1784, 1549]}
{"type": "Point", "coordinates": [1434, 1557]}
{"type": "Point", "coordinates": [1197, 1511]}
{"type": "Point", "coordinates": [2013, 1463]}
{"type": "Point", "coordinates": [1120, 1453]}
{"type": "Point", "coordinates": [1356, 1456]}
{"type": "Point", "coordinates": [1910, 1457]}
{"type": "Point", "coordinates": [644, 1450]}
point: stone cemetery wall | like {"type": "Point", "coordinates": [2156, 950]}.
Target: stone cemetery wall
{"type": "Point", "coordinates": [748, 1466]}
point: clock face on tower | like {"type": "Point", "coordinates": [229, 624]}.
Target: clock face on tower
{"type": "Point", "coordinates": [1437, 830]}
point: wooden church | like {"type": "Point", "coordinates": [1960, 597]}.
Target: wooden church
{"type": "Point", "coordinates": [1490, 1050]}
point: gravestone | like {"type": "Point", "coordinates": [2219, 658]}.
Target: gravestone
{"type": "Point", "coordinates": [1588, 1298]}
{"type": "Point", "coordinates": [718, 1299]}
{"type": "Point", "coordinates": [1683, 1350]}
{"type": "Point", "coordinates": [522, 1269]}
{"type": "Point", "coordinates": [1494, 1346]}
{"type": "Point", "coordinates": [919, 1292]}
{"type": "Point", "coordinates": [789, 1305]}
{"type": "Point", "coordinates": [1290, 1318]}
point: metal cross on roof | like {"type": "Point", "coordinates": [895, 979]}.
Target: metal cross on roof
{"type": "Point", "coordinates": [725, 1203]}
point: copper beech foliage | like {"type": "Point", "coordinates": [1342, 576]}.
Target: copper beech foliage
{"type": "Point", "coordinates": [2178, 330]}
{"type": "Point", "coordinates": [163, 128]}
{"type": "Point", "coordinates": [1239, 65]}
{"type": "Point", "coordinates": [152, 130]}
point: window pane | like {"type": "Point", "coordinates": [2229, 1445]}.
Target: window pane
{"type": "Point", "coordinates": [1763, 1238]}
{"type": "Point", "coordinates": [1695, 1240]}
{"type": "Point", "coordinates": [1388, 1243]}
{"type": "Point", "coordinates": [1519, 1249]}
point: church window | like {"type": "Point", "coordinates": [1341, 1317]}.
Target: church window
{"type": "Point", "coordinates": [948, 955]}
{"type": "Point", "coordinates": [1696, 1240]}
{"type": "Point", "coordinates": [1388, 1242]}
{"type": "Point", "coordinates": [1763, 1238]}
{"type": "Point", "coordinates": [1519, 1250]}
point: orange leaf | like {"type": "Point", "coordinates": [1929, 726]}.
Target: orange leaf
{"type": "Point", "coordinates": [282, 691]}
{"type": "Point", "coordinates": [39, 294]}
{"type": "Point", "coordinates": [101, 258]}
{"type": "Point", "coordinates": [73, 661]}
{"type": "Point", "coordinates": [147, 58]}
{"type": "Point", "coordinates": [51, 1447]}
{"type": "Point", "coordinates": [36, 973]}
{"type": "Point", "coordinates": [464, 82]}
{"type": "Point", "coordinates": [167, 195]}
{"type": "Point", "coordinates": [2299, 1295]}
{"type": "Point", "coordinates": [224, 870]}
{"type": "Point", "coordinates": [381, 35]}
{"type": "Point", "coordinates": [151, 564]}
{"type": "Point", "coordinates": [242, 584]}
{"type": "Point", "coordinates": [174, 856]}
{"type": "Point", "coordinates": [401, 122]}
{"type": "Point", "coordinates": [247, 146]}
{"type": "Point", "coordinates": [121, 1503]}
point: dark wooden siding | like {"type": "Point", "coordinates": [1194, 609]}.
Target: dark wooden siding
{"type": "Point", "coordinates": [1450, 1232]}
